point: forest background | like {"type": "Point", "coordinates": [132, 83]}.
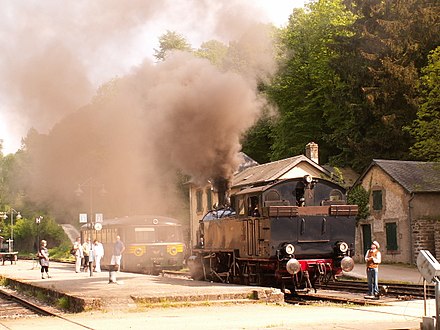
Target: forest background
{"type": "Point", "coordinates": [360, 78]}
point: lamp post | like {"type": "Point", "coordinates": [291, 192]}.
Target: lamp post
{"type": "Point", "coordinates": [91, 184]}
{"type": "Point", "coordinates": [4, 215]}
{"type": "Point", "coordinates": [38, 221]}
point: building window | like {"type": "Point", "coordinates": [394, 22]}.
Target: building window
{"type": "Point", "coordinates": [391, 230]}
{"type": "Point", "coordinates": [199, 196]}
{"type": "Point", "coordinates": [377, 200]}
{"type": "Point", "coordinates": [208, 199]}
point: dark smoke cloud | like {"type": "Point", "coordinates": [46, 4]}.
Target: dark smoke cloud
{"type": "Point", "coordinates": [139, 128]}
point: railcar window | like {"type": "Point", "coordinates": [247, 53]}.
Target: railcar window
{"type": "Point", "coordinates": [157, 234]}
{"type": "Point", "coordinates": [144, 235]}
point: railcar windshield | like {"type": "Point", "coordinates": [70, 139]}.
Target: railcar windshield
{"type": "Point", "coordinates": [157, 234]}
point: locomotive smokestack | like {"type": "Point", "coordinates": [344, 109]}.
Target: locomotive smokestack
{"type": "Point", "coordinates": [221, 187]}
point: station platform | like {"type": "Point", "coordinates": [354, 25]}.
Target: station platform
{"type": "Point", "coordinates": [390, 273]}
{"type": "Point", "coordinates": [84, 292]}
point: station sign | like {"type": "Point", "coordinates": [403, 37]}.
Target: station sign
{"type": "Point", "coordinates": [99, 217]}
{"type": "Point", "coordinates": [83, 218]}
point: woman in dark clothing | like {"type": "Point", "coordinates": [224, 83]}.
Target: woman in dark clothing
{"type": "Point", "coordinates": [43, 255]}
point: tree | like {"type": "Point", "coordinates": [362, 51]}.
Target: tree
{"type": "Point", "coordinates": [360, 197]}
{"type": "Point", "coordinates": [304, 89]}
{"type": "Point", "coordinates": [426, 128]}
{"type": "Point", "coordinates": [168, 42]}
{"type": "Point", "coordinates": [213, 50]}
{"type": "Point", "coordinates": [258, 140]}
{"type": "Point", "coordinates": [380, 63]}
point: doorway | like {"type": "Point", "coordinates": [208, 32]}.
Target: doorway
{"type": "Point", "coordinates": [366, 237]}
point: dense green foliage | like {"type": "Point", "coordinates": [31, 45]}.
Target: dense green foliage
{"type": "Point", "coordinates": [350, 76]}
{"type": "Point", "coordinates": [426, 128]}
{"type": "Point", "coordinates": [25, 230]}
{"type": "Point", "coordinates": [306, 86]}
{"type": "Point", "coordinates": [360, 197]}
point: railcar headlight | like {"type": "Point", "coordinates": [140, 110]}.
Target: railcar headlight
{"type": "Point", "coordinates": [293, 266]}
{"type": "Point", "coordinates": [343, 247]}
{"type": "Point", "coordinates": [289, 248]}
{"type": "Point", "coordinates": [347, 264]}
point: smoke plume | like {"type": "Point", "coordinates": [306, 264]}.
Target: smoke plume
{"type": "Point", "coordinates": [123, 144]}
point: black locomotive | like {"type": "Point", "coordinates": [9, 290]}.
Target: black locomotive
{"type": "Point", "coordinates": [289, 234]}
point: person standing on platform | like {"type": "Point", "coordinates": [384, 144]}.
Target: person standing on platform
{"type": "Point", "coordinates": [78, 253]}
{"type": "Point", "coordinates": [98, 251]}
{"type": "Point", "coordinates": [43, 255]}
{"type": "Point", "coordinates": [86, 247]}
{"type": "Point", "coordinates": [118, 249]}
{"type": "Point", "coordinates": [373, 258]}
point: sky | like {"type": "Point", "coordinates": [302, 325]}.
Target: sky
{"type": "Point", "coordinates": [86, 44]}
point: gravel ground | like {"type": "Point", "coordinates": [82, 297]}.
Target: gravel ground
{"type": "Point", "coordinates": [400, 315]}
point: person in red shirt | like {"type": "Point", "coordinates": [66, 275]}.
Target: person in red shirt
{"type": "Point", "coordinates": [373, 258]}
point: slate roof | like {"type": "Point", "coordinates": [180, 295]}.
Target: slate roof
{"type": "Point", "coordinates": [271, 171]}
{"type": "Point", "coordinates": [415, 177]}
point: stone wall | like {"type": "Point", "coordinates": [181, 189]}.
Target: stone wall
{"type": "Point", "coordinates": [426, 236]}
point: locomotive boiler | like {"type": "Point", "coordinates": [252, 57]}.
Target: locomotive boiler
{"type": "Point", "coordinates": [290, 234]}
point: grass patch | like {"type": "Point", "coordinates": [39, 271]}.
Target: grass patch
{"type": "Point", "coordinates": [4, 281]}
{"type": "Point", "coordinates": [63, 303]}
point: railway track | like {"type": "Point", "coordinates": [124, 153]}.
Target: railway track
{"type": "Point", "coordinates": [14, 306]}
{"type": "Point", "coordinates": [400, 290]}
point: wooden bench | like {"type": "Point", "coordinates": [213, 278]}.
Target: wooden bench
{"type": "Point", "coordinates": [11, 256]}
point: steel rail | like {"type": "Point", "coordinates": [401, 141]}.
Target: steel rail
{"type": "Point", "coordinates": [37, 309]}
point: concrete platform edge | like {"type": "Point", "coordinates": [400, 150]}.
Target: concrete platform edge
{"type": "Point", "coordinates": [75, 304]}
{"type": "Point", "coordinates": [72, 304]}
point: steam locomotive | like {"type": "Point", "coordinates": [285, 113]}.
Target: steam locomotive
{"type": "Point", "coordinates": [153, 243]}
{"type": "Point", "coordinates": [291, 234]}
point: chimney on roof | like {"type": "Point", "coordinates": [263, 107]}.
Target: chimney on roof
{"type": "Point", "coordinates": [312, 152]}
